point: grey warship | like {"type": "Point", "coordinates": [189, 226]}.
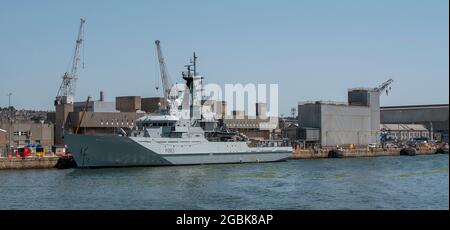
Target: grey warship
{"type": "Point", "coordinates": [168, 138]}
{"type": "Point", "coordinates": [154, 146]}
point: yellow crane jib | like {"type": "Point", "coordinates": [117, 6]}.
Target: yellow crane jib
{"type": "Point", "coordinates": [83, 113]}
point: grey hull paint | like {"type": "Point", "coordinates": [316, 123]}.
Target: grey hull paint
{"type": "Point", "coordinates": [116, 151]}
{"type": "Point", "coordinates": [227, 158]}
{"type": "Point", "coordinates": [110, 151]}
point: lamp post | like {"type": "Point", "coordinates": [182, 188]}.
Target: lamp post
{"type": "Point", "coordinates": [42, 133]}
{"type": "Point", "coordinates": [4, 131]}
{"type": "Point", "coordinates": [10, 121]}
{"type": "Point", "coordinates": [431, 131]}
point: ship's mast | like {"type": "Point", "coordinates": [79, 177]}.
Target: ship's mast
{"type": "Point", "coordinates": [195, 65]}
{"type": "Point", "coordinates": [201, 83]}
{"type": "Point", "coordinates": [190, 76]}
{"type": "Point", "coordinates": [190, 83]}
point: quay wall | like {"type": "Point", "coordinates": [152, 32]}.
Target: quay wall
{"type": "Point", "coordinates": [28, 162]}
{"type": "Point", "coordinates": [311, 154]}
{"type": "Point", "coordinates": [50, 161]}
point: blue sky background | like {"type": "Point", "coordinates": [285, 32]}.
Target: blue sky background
{"type": "Point", "coordinates": [314, 50]}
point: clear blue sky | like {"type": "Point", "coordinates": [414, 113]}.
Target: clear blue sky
{"type": "Point", "coordinates": [314, 50]}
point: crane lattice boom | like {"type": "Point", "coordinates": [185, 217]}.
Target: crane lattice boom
{"type": "Point", "coordinates": [384, 86]}
{"type": "Point", "coordinates": [67, 88]}
{"type": "Point", "coordinates": [165, 78]}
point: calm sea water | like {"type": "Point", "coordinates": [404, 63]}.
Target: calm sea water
{"type": "Point", "coordinates": [419, 182]}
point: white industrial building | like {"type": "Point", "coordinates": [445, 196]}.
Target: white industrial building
{"type": "Point", "coordinates": [338, 123]}
{"type": "Point", "coordinates": [356, 122]}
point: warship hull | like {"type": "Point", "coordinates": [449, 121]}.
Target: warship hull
{"type": "Point", "coordinates": [121, 151]}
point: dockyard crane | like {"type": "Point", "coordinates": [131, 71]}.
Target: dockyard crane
{"type": "Point", "coordinates": [165, 78]}
{"type": "Point", "coordinates": [384, 86]}
{"type": "Point", "coordinates": [66, 91]}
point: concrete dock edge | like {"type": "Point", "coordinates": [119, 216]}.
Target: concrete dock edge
{"type": "Point", "coordinates": [28, 162]}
